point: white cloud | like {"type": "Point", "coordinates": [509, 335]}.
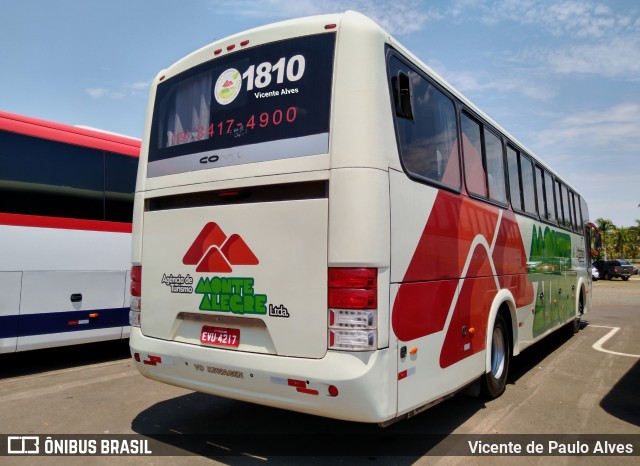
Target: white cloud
{"type": "Point", "coordinates": [400, 17]}
{"type": "Point", "coordinates": [125, 90]}
{"type": "Point", "coordinates": [617, 57]}
{"type": "Point", "coordinates": [97, 92]}
{"type": "Point", "coordinates": [575, 18]}
{"type": "Point", "coordinates": [611, 129]}
{"type": "Point", "coordinates": [139, 86]}
{"type": "Point", "coordinates": [470, 82]}
{"type": "Point", "coordinates": [591, 38]}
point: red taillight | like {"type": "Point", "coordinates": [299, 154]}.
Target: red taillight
{"type": "Point", "coordinates": [615, 268]}
{"type": "Point", "coordinates": [136, 280]}
{"type": "Point", "coordinates": [353, 298]}
{"type": "Point", "coordinates": [353, 288]}
{"type": "Point", "coordinates": [352, 307]}
{"type": "Point", "coordinates": [353, 278]}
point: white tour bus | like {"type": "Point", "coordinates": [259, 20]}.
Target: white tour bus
{"type": "Point", "coordinates": [323, 224]}
{"type": "Point", "coordinates": [66, 201]}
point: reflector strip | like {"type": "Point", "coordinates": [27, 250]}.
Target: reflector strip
{"type": "Point", "coordinates": [297, 383]}
{"type": "Point", "coordinates": [406, 373]}
{"type": "Point", "coordinates": [153, 361]}
{"type": "Point", "coordinates": [308, 391]}
{"type": "Point", "coordinates": [78, 322]}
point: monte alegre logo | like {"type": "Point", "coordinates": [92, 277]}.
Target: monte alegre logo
{"type": "Point", "coordinates": [234, 295]}
{"type": "Point", "coordinates": [214, 251]}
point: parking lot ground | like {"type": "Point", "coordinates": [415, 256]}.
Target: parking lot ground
{"type": "Point", "coordinates": [561, 386]}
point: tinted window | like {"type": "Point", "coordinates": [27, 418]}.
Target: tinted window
{"type": "Point", "coordinates": [495, 167]}
{"type": "Point", "coordinates": [41, 177]}
{"type": "Point", "coordinates": [566, 207]}
{"type": "Point", "coordinates": [542, 203]}
{"type": "Point", "coordinates": [556, 189]}
{"type": "Point", "coordinates": [277, 93]}
{"type": "Point", "coordinates": [49, 178]}
{"type": "Point", "coordinates": [549, 194]}
{"type": "Point", "coordinates": [428, 139]}
{"type": "Point", "coordinates": [514, 178]}
{"type": "Point", "coordinates": [484, 164]}
{"type": "Point", "coordinates": [584, 210]}
{"type": "Point", "coordinates": [474, 171]}
{"type": "Point", "coordinates": [120, 184]}
{"type": "Point", "coordinates": [528, 185]}
{"type": "Point", "coordinates": [576, 209]}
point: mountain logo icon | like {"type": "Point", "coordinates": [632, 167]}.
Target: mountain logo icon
{"type": "Point", "coordinates": [214, 251]}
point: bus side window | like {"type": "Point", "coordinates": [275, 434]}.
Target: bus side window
{"type": "Point", "coordinates": [427, 127]}
{"type": "Point", "coordinates": [475, 175]}
{"type": "Point", "coordinates": [542, 203]}
{"type": "Point", "coordinates": [552, 212]}
{"type": "Point", "coordinates": [495, 167]}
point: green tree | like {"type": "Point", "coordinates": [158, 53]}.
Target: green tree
{"type": "Point", "coordinates": [634, 241]}
{"type": "Point", "coordinates": [620, 238]}
{"type": "Point", "coordinates": [605, 227]}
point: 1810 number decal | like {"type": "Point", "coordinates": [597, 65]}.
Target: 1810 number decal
{"type": "Point", "coordinates": [261, 76]}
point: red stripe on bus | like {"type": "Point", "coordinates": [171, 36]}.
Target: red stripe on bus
{"type": "Point", "coordinates": [69, 134]}
{"type": "Point", "coordinates": [63, 223]}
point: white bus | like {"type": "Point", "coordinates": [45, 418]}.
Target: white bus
{"type": "Point", "coordinates": [323, 224]}
{"type": "Point", "coordinates": [66, 202]}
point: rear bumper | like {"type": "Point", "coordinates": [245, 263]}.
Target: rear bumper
{"type": "Point", "coordinates": [366, 388]}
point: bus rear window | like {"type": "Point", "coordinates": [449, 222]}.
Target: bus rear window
{"type": "Point", "coordinates": [264, 103]}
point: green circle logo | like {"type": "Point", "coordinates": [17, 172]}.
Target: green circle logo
{"type": "Point", "coordinates": [228, 86]}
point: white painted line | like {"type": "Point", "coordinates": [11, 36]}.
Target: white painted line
{"type": "Point", "coordinates": [598, 344]}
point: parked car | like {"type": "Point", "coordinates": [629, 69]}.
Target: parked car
{"type": "Point", "coordinates": [635, 269]}
{"type": "Point", "coordinates": [614, 269]}
{"type": "Point", "coordinates": [594, 273]}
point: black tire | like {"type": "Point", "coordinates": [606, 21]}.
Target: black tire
{"type": "Point", "coordinates": [625, 278]}
{"type": "Point", "coordinates": [494, 382]}
{"type": "Point", "coordinates": [574, 326]}
{"type": "Point", "coordinates": [607, 276]}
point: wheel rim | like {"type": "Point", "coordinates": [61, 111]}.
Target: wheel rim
{"type": "Point", "coordinates": [498, 353]}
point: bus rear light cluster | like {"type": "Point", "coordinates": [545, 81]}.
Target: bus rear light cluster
{"type": "Point", "coordinates": [136, 293]}
{"type": "Point", "coordinates": [353, 314]}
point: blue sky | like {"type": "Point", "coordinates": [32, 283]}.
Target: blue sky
{"type": "Point", "coordinates": [562, 76]}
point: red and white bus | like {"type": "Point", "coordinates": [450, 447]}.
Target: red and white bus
{"type": "Point", "coordinates": [323, 224]}
{"type": "Point", "coordinates": [66, 202]}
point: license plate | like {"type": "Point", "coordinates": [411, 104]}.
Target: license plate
{"type": "Point", "coordinates": [220, 336]}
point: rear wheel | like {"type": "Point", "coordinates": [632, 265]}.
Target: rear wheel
{"type": "Point", "coordinates": [574, 327]}
{"type": "Point", "coordinates": [495, 381]}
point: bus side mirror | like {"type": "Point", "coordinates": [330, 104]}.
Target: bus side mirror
{"type": "Point", "coordinates": [597, 238]}
{"type": "Point", "coordinates": [402, 95]}
{"type": "Point", "coordinates": [597, 241]}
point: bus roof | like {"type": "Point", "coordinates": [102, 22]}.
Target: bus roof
{"type": "Point", "coordinates": [86, 137]}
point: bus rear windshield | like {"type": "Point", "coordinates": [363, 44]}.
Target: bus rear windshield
{"type": "Point", "coordinates": [263, 103]}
